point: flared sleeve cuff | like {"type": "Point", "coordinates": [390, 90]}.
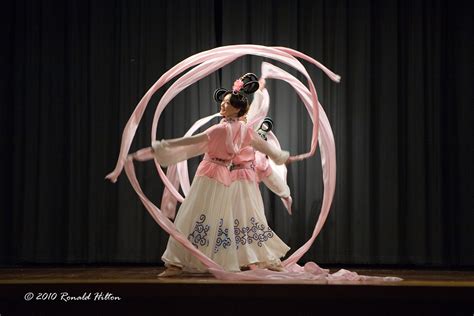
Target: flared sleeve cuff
{"type": "Point", "coordinates": [281, 157]}
{"type": "Point", "coordinates": [277, 185]}
{"type": "Point", "coordinates": [170, 152]}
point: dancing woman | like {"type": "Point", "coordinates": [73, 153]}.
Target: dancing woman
{"type": "Point", "coordinates": [223, 214]}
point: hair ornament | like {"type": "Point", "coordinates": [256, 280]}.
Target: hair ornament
{"type": "Point", "coordinates": [238, 85]}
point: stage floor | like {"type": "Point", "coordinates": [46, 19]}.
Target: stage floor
{"type": "Point", "coordinates": [147, 274]}
{"type": "Point", "coordinates": [121, 289]}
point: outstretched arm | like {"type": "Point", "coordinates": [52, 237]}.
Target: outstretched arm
{"type": "Point", "coordinates": [277, 155]}
{"type": "Point", "coordinates": [172, 151]}
{"type": "Point", "coordinates": [164, 150]}
{"type": "Point", "coordinates": [187, 140]}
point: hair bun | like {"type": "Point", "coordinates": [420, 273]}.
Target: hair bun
{"type": "Point", "coordinates": [219, 94]}
{"type": "Point", "coordinates": [250, 83]}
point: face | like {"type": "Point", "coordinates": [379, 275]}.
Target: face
{"type": "Point", "coordinates": [227, 109]}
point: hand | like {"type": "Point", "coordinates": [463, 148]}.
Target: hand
{"type": "Point", "coordinates": [261, 83]}
{"type": "Point", "coordinates": [142, 155]}
{"type": "Point", "coordinates": [289, 160]}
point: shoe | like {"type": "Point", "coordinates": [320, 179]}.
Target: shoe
{"type": "Point", "coordinates": [171, 271]}
{"type": "Point", "coordinates": [276, 268]}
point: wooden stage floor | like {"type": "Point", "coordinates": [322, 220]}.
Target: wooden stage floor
{"type": "Point", "coordinates": [138, 290]}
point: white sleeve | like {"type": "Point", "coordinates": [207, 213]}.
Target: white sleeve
{"type": "Point", "coordinates": [256, 104]}
{"type": "Point", "coordinates": [172, 151]}
{"type": "Point", "coordinates": [277, 185]}
{"type": "Point", "coordinates": [275, 154]}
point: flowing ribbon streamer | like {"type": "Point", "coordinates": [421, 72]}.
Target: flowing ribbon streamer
{"type": "Point", "coordinates": [208, 62]}
{"type": "Point", "coordinates": [327, 150]}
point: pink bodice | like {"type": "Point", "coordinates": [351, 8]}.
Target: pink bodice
{"type": "Point", "coordinates": [229, 145]}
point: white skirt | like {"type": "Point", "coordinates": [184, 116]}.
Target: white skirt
{"type": "Point", "coordinates": [227, 224]}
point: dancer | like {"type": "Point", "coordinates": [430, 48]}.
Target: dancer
{"type": "Point", "coordinates": [223, 214]}
{"type": "Point", "coordinates": [203, 64]}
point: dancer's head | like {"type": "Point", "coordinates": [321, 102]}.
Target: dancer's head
{"type": "Point", "coordinates": [235, 103]}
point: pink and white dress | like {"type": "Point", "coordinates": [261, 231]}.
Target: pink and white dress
{"type": "Point", "coordinates": [223, 214]}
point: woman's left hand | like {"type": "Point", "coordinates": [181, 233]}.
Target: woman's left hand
{"type": "Point", "coordinates": [290, 160]}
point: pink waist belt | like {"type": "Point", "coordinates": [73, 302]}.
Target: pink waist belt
{"type": "Point", "coordinates": [245, 165]}
{"type": "Point", "coordinates": [222, 162]}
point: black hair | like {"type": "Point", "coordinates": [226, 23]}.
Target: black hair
{"type": "Point", "coordinates": [239, 99]}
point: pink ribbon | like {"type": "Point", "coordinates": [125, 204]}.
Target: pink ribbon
{"type": "Point", "coordinates": [327, 149]}
{"type": "Point", "coordinates": [207, 62]}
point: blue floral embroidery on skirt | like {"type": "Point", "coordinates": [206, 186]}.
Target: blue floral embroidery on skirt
{"type": "Point", "coordinates": [223, 239]}
{"type": "Point", "coordinates": [248, 234]}
{"type": "Point", "coordinates": [199, 234]}
{"type": "Point", "coordinates": [258, 233]}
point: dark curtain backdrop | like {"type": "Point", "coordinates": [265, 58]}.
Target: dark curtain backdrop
{"type": "Point", "coordinates": [73, 71]}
